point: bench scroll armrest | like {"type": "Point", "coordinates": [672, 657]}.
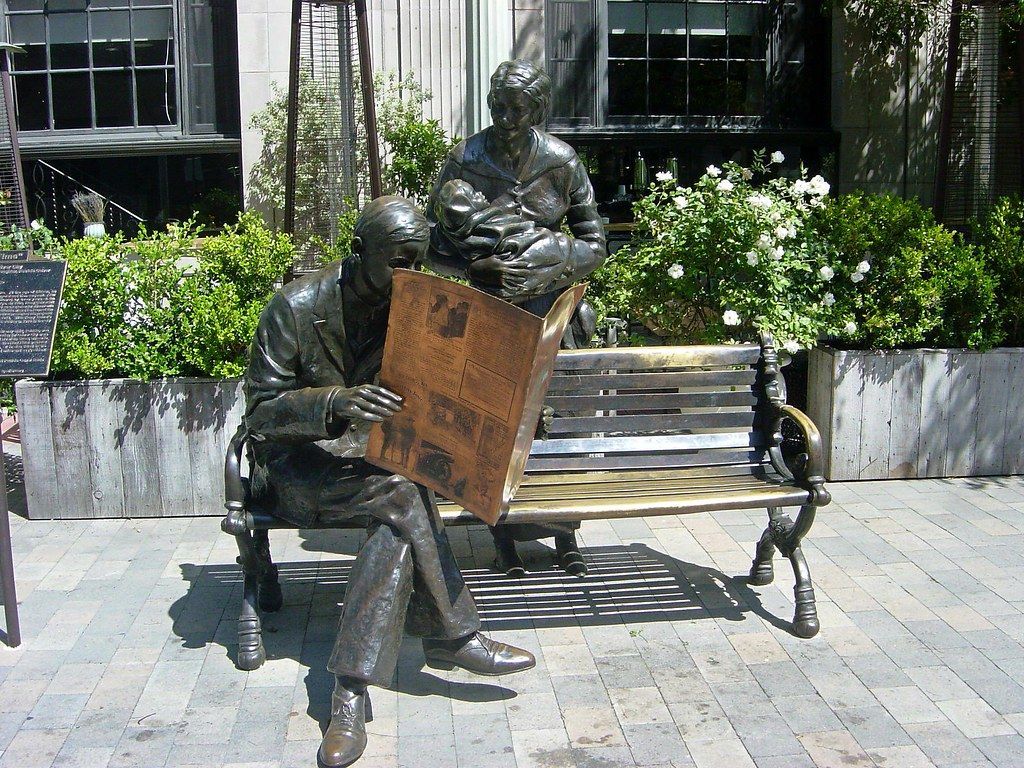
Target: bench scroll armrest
{"type": "Point", "coordinates": [236, 521]}
{"type": "Point", "coordinates": [811, 473]}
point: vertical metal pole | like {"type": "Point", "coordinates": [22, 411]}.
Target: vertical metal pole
{"type": "Point", "coordinates": [1020, 97]}
{"type": "Point", "coordinates": [7, 562]}
{"type": "Point", "coordinates": [369, 107]}
{"type": "Point", "coordinates": [946, 113]}
{"type": "Point", "coordinates": [292, 133]}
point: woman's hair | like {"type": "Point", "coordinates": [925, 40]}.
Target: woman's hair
{"type": "Point", "coordinates": [525, 76]}
{"type": "Point", "coordinates": [391, 218]}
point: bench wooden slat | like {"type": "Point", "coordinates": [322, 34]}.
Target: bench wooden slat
{"type": "Point", "coordinates": [637, 461]}
{"type": "Point", "coordinates": [640, 358]}
{"type": "Point", "coordinates": [645, 402]}
{"type": "Point", "coordinates": [647, 423]}
{"type": "Point", "coordinates": [570, 494]}
{"type": "Point", "coordinates": [657, 475]}
{"type": "Point", "coordinates": [690, 378]}
{"type": "Point", "coordinates": [646, 443]}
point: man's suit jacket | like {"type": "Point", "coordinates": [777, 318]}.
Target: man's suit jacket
{"type": "Point", "coordinates": [299, 355]}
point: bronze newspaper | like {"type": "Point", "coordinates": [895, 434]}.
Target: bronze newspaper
{"type": "Point", "coordinates": [473, 370]}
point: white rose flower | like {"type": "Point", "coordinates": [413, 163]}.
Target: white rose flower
{"type": "Point", "coordinates": [801, 187]}
{"type": "Point", "coordinates": [850, 327]}
{"type": "Point", "coordinates": [764, 241]}
{"type": "Point", "coordinates": [781, 232]}
{"type": "Point", "coordinates": [664, 176]}
{"type": "Point", "coordinates": [778, 252]}
{"type": "Point", "coordinates": [680, 202]}
{"type": "Point", "coordinates": [826, 272]}
{"type": "Point", "coordinates": [828, 300]}
{"type": "Point", "coordinates": [863, 267]}
{"type": "Point", "coordinates": [675, 271]}
{"type": "Point", "coordinates": [713, 171]}
{"type": "Point", "coordinates": [746, 174]}
{"type": "Point", "coordinates": [792, 231]}
{"type": "Point", "coordinates": [774, 216]}
{"type": "Point", "coordinates": [724, 186]}
{"type": "Point", "coordinates": [819, 187]}
{"type": "Point", "coordinates": [165, 303]}
{"type": "Point", "coordinates": [752, 258]}
{"type": "Point", "coordinates": [729, 317]}
{"type": "Point", "coordinates": [791, 346]}
{"type": "Point", "coordinates": [760, 201]}
{"type": "Point", "coordinates": [778, 157]}
{"type": "Point", "coordinates": [856, 277]}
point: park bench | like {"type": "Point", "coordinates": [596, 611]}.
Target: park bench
{"type": "Point", "coordinates": [637, 431]}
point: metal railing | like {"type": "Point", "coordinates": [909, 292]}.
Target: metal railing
{"type": "Point", "coordinates": [50, 200]}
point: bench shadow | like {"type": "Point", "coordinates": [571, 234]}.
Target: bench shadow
{"type": "Point", "coordinates": [626, 583]}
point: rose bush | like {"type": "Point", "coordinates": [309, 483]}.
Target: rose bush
{"type": "Point", "coordinates": [734, 254]}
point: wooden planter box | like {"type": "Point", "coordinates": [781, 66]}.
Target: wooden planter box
{"type": "Point", "coordinates": [123, 448]}
{"type": "Point", "coordinates": [918, 413]}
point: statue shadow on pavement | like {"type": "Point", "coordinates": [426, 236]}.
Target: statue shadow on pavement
{"type": "Point", "coordinates": [631, 584]}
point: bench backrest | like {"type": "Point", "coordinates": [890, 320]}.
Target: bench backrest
{"type": "Point", "coordinates": [654, 407]}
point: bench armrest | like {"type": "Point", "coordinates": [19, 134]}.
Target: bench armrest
{"type": "Point", "coordinates": [236, 521]}
{"type": "Point", "coordinates": [811, 474]}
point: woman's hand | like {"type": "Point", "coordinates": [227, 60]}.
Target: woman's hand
{"type": "Point", "coordinates": [505, 278]}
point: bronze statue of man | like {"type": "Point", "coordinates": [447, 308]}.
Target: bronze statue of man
{"type": "Point", "coordinates": [529, 175]}
{"type": "Point", "coordinates": [309, 394]}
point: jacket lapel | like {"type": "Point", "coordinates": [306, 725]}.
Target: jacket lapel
{"type": "Point", "coordinates": [329, 323]}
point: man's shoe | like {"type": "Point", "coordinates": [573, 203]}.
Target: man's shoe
{"type": "Point", "coordinates": [569, 555]}
{"type": "Point", "coordinates": [477, 653]}
{"type": "Point", "coordinates": [345, 739]}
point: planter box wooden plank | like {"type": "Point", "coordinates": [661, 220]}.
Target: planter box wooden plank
{"type": "Point", "coordinates": [140, 457]}
{"type": "Point", "coordinates": [122, 448]}
{"type": "Point", "coordinates": [918, 413]}
{"type": "Point", "coordinates": [905, 422]}
{"type": "Point", "coordinates": [34, 408]}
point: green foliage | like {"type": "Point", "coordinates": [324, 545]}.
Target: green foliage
{"type": "Point", "coordinates": [37, 237]}
{"type": "Point", "coordinates": [725, 258]}
{"type": "Point", "coordinates": [1000, 238]}
{"type": "Point", "coordinates": [166, 304]}
{"type": "Point", "coordinates": [891, 23]}
{"type": "Point", "coordinates": [414, 148]}
{"type": "Point", "coordinates": [922, 284]}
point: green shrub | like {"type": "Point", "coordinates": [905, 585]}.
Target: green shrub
{"type": "Point", "coordinates": [725, 258]}
{"type": "Point", "coordinates": [166, 305]}
{"type": "Point", "coordinates": [1000, 238]}
{"type": "Point", "coordinates": [922, 284]}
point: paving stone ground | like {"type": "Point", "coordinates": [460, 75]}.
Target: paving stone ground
{"type": "Point", "coordinates": [662, 656]}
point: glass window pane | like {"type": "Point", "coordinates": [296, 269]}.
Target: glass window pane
{"type": "Point", "coordinates": [572, 92]}
{"type": "Point", "coordinates": [201, 31]}
{"type": "Point", "coordinates": [30, 33]}
{"type": "Point", "coordinates": [108, 4]}
{"type": "Point", "coordinates": [747, 32]}
{"type": "Point", "coordinates": [24, 5]}
{"type": "Point", "coordinates": [707, 88]}
{"type": "Point", "coordinates": [626, 37]}
{"type": "Point", "coordinates": [627, 89]}
{"type": "Point", "coordinates": [66, 5]}
{"type": "Point", "coordinates": [69, 37]}
{"type": "Point", "coordinates": [111, 39]}
{"type": "Point", "coordinates": [153, 31]}
{"type": "Point", "coordinates": [666, 23]}
{"type": "Point", "coordinates": [114, 99]}
{"type": "Point", "coordinates": [746, 87]}
{"type": "Point", "coordinates": [155, 93]}
{"type": "Point", "coordinates": [668, 87]}
{"type": "Point", "coordinates": [72, 100]}
{"type": "Point", "coordinates": [32, 102]}
{"type": "Point", "coordinates": [138, 3]}
{"type": "Point", "coordinates": [707, 30]}
{"type": "Point", "coordinates": [204, 96]}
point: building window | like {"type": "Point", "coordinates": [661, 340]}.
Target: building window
{"type": "Point", "coordinates": [686, 63]}
{"type": "Point", "coordinates": [91, 64]}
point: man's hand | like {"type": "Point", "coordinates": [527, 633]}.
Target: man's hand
{"type": "Point", "coordinates": [366, 401]}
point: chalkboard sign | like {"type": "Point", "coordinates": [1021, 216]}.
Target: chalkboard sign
{"type": "Point", "coordinates": [6, 256]}
{"type": "Point", "coordinates": [30, 294]}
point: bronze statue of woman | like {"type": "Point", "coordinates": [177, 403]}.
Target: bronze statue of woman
{"type": "Point", "coordinates": [528, 175]}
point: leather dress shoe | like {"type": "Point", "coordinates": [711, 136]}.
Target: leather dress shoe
{"type": "Point", "coordinates": [506, 559]}
{"type": "Point", "coordinates": [345, 739]}
{"type": "Point", "coordinates": [569, 555]}
{"type": "Point", "coordinates": [477, 653]}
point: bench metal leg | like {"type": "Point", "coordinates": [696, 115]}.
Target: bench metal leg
{"type": "Point", "coordinates": [251, 654]}
{"type": "Point", "coordinates": [271, 598]}
{"type": "Point", "coordinates": [785, 535]}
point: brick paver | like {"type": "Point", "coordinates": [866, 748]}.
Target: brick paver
{"type": "Point", "coordinates": [663, 656]}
